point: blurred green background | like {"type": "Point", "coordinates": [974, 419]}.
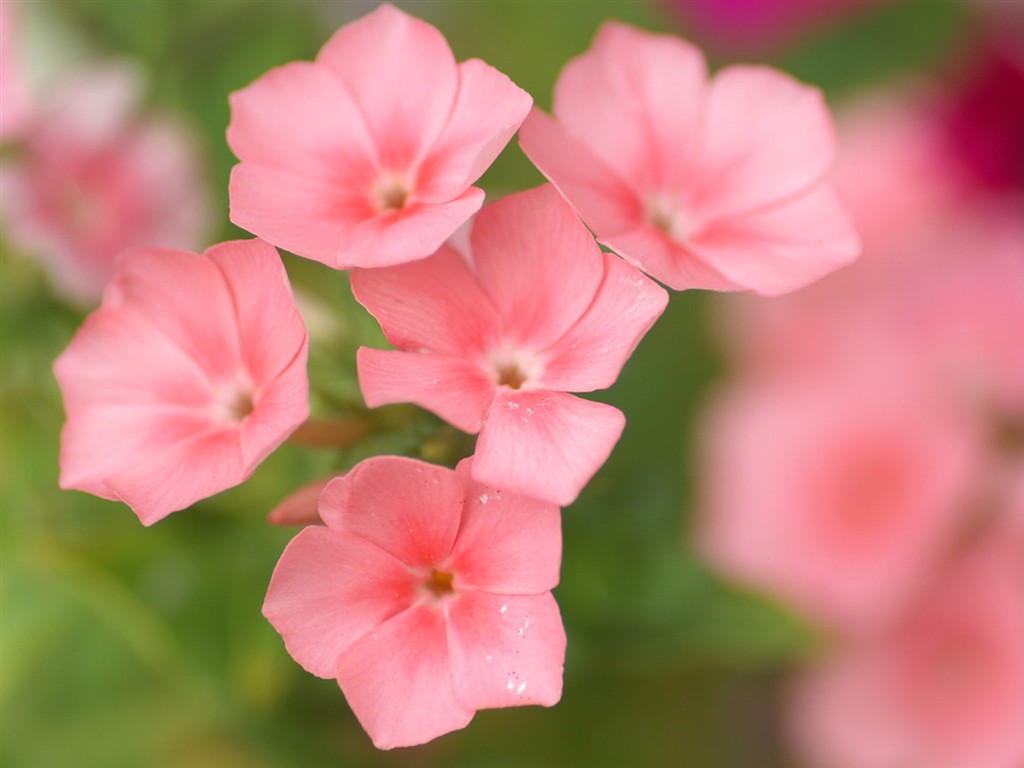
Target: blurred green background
{"type": "Point", "coordinates": [126, 646]}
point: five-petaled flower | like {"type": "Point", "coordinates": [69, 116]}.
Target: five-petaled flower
{"type": "Point", "coordinates": [365, 157]}
{"type": "Point", "coordinates": [492, 341]}
{"type": "Point", "coordinates": [427, 595]}
{"type": "Point", "coordinates": [189, 374]}
{"type": "Point", "coordinates": [701, 185]}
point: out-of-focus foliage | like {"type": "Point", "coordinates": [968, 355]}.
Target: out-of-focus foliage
{"type": "Point", "coordinates": [126, 646]}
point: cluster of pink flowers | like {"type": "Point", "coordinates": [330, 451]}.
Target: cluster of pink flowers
{"type": "Point", "coordinates": [866, 465]}
{"type": "Point", "coordinates": [426, 591]}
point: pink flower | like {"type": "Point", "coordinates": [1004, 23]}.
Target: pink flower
{"type": "Point", "coordinates": [92, 179]}
{"type": "Point", "coordinates": [942, 688]}
{"type": "Point", "coordinates": [188, 375]}
{"type": "Point", "coordinates": [837, 495]}
{"type": "Point", "coordinates": [427, 595]}
{"type": "Point", "coordinates": [491, 342]}
{"type": "Point", "coordinates": [365, 157]}
{"type": "Point", "coordinates": [701, 185]}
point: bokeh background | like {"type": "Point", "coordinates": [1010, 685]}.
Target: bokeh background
{"type": "Point", "coordinates": [127, 646]}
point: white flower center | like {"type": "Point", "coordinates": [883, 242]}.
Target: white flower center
{"type": "Point", "coordinates": [391, 192]}
{"type": "Point", "coordinates": [668, 215]}
{"type": "Point", "coordinates": [513, 368]}
{"type": "Point", "coordinates": [234, 402]}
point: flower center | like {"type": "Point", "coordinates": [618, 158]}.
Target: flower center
{"type": "Point", "coordinates": [667, 214]}
{"type": "Point", "coordinates": [439, 584]}
{"type": "Point", "coordinates": [235, 403]}
{"type": "Point", "coordinates": [240, 406]}
{"type": "Point", "coordinates": [513, 368]}
{"type": "Point", "coordinates": [391, 192]}
{"type": "Point", "coordinates": [1009, 435]}
{"type": "Point", "coordinates": [510, 375]}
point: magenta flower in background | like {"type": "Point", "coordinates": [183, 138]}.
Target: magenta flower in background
{"type": "Point", "coordinates": [188, 375]}
{"type": "Point", "coordinates": [492, 341]}
{"type": "Point", "coordinates": [985, 119]}
{"type": "Point", "coordinates": [943, 687]}
{"type": "Point", "coordinates": [92, 179]}
{"type": "Point", "coordinates": [757, 24]}
{"type": "Point", "coordinates": [427, 595]}
{"type": "Point", "coordinates": [365, 157]}
{"type": "Point", "coordinates": [715, 185]}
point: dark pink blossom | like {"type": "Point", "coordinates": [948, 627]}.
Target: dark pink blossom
{"type": "Point", "coordinates": [757, 24]}
{"type": "Point", "coordinates": [365, 157]}
{"type": "Point", "coordinates": [702, 185]}
{"type": "Point", "coordinates": [427, 595]}
{"type": "Point", "coordinates": [189, 374]}
{"type": "Point", "coordinates": [493, 340]}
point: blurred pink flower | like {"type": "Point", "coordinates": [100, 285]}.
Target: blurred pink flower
{"type": "Point", "coordinates": [188, 375]}
{"type": "Point", "coordinates": [492, 342]}
{"type": "Point", "coordinates": [945, 297]}
{"type": "Point", "coordinates": [427, 595]}
{"type": "Point", "coordinates": [91, 179]}
{"type": "Point", "coordinates": [702, 185]}
{"type": "Point", "coordinates": [942, 688]}
{"type": "Point", "coordinates": [365, 157]}
{"type": "Point", "coordinates": [893, 170]}
{"type": "Point", "coordinates": [836, 494]}
{"type": "Point", "coordinates": [941, 282]}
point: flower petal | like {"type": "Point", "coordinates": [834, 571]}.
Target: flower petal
{"type": "Point", "coordinates": [299, 118]}
{"type": "Point", "coordinates": [783, 248]}
{"type": "Point", "coordinates": [171, 284]}
{"type": "Point", "coordinates": [662, 258]}
{"type": "Point", "coordinates": [597, 193]}
{"type": "Point", "coordinates": [637, 100]}
{"type": "Point", "coordinates": [120, 357]}
{"type": "Point", "coordinates": [271, 329]}
{"type": "Point", "coordinates": [489, 108]}
{"type": "Point", "coordinates": [768, 137]}
{"type": "Point", "coordinates": [408, 508]}
{"type": "Point", "coordinates": [507, 543]}
{"type": "Point", "coordinates": [538, 263]}
{"type": "Point", "coordinates": [99, 440]}
{"type": "Point", "coordinates": [309, 216]}
{"type": "Point", "coordinates": [402, 74]}
{"type": "Point", "coordinates": [455, 390]}
{"type": "Point", "coordinates": [435, 304]}
{"type": "Point", "coordinates": [544, 444]}
{"type": "Point", "coordinates": [279, 407]}
{"type": "Point", "coordinates": [328, 590]}
{"type": "Point", "coordinates": [506, 650]}
{"type": "Point", "coordinates": [591, 355]}
{"type": "Point", "coordinates": [398, 681]}
{"type": "Point", "coordinates": [414, 232]}
{"type": "Point", "coordinates": [191, 469]}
